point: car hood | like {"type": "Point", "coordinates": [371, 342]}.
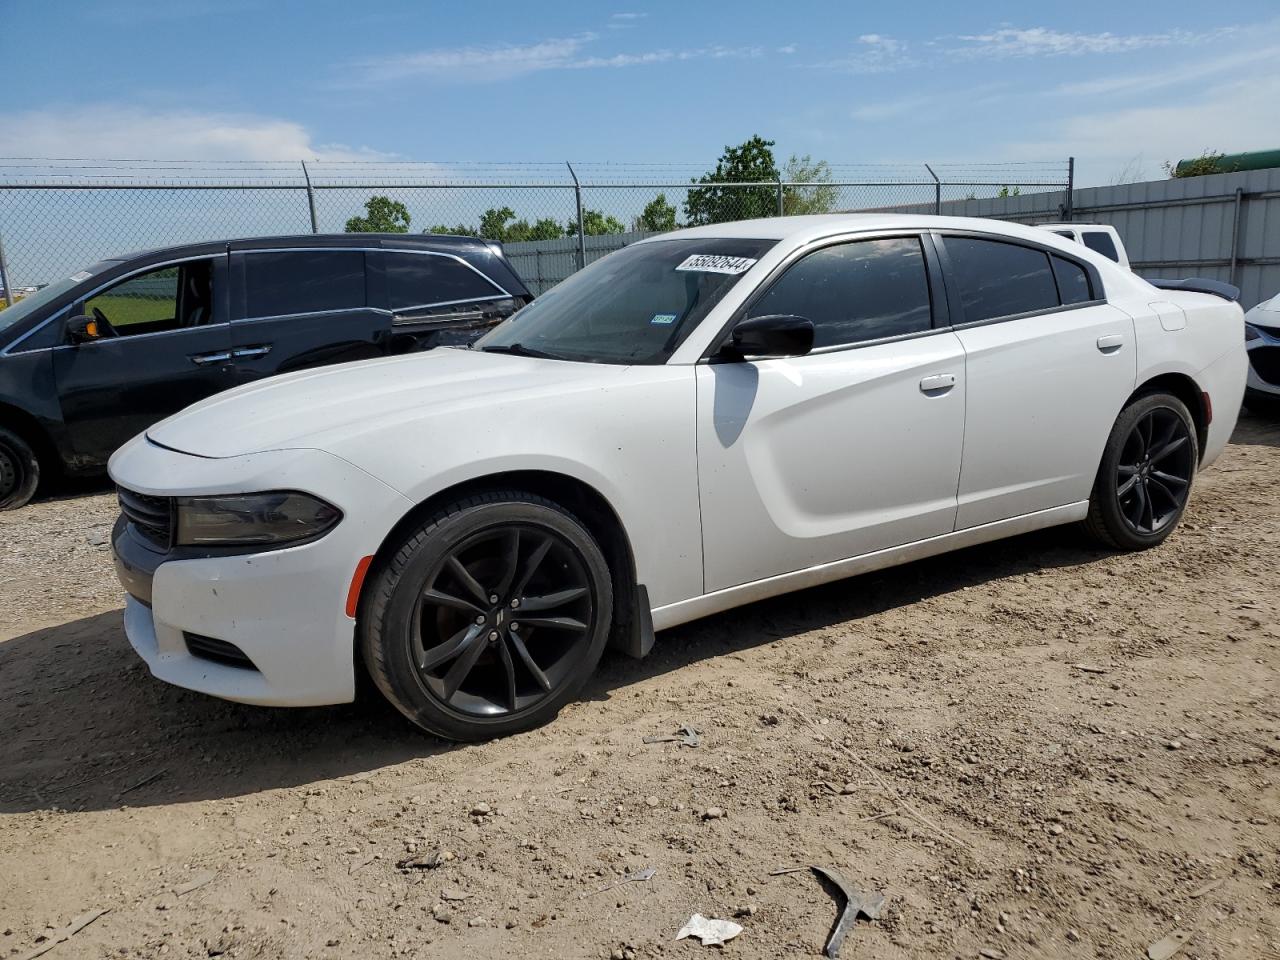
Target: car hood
{"type": "Point", "coordinates": [315, 408]}
{"type": "Point", "coordinates": [1266, 312]}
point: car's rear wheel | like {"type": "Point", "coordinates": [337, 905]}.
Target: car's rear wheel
{"type": "Point", "coordinates": [19, 471]}
{"type": "Point", "coordinates": [1146, 474]}
{"type": "Point", "coordinates": [488, 617]}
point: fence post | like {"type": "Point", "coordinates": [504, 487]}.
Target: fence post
{"type": "Point", "coordinates": [780, 206]}
{"type": "Point", "coordinates": [6, 277]}
{"type": "Point", "coordinates": [582, 233]}
{"type": "Point", "coordinates": [937, 191]}
{"type": "Point", "coordinates": [1071, 188]}
{"type": "Point", "coordinates": [311, 197]}
{"type": "Point", "coordinates": [1235, 236]}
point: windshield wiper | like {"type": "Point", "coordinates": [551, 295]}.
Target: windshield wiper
{"type": "Point", "coordinates": [520, 350]}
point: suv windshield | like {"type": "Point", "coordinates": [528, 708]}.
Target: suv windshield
{"type": "Point", "coordinates": [29, 304]}
{"type": "Point", "coordinates": [634, 306]}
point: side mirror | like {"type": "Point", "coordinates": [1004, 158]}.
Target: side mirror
{"type": "Point", "coordinates": [83, 329]}
{"type": "Point", "coordinates": [780, 335]}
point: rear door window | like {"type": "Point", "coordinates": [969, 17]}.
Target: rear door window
{"type": "Point", "coordinates": [303, 281]}
{"type": "Point", "coordinates": [1073, 281]}
{"type": "Point", "coordinates": [423, 279]}
{"type": "Point", "coordinates": [998, 279]}
{"type": "Point", "coordinates": [1101, 242]}
{"type": "Point", "coordinates": [854, 292]}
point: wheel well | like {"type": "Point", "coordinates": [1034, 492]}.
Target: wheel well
{"type": "Point", "coordinates": [581, 499]}
{"type": "Point", "coordinates": [1186, 390]}
{"type": "Point", "coordinates": [28, 428]}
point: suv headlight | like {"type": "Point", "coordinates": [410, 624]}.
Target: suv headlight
{"type": "Point", "coordinates": [253, 519]}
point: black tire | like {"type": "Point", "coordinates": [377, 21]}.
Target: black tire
{"type": "Point", "coordinates": [427, 632]}
{"type": "Point", "coordinates": [19, 471]}
{"type": "Point", "coordinates": [1145, 478]}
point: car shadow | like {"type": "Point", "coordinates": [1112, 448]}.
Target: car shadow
{"type": "Point", "coordinates": [87, 727]}
{"type": "Point", "coordinates": [1256, 430]}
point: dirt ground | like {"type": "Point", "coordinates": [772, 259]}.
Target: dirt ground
{"type": "Point", "coordinates": [1032, 748]}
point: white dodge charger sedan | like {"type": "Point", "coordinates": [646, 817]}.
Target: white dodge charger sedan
{"type": "Point", "coordinates": [694, 422]}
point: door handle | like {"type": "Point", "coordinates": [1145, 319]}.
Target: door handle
{"type": "Point", "coordinates": [1111, 342]}
{"type": "Point", "coordinates": [248, 353]}
{"type": "Point", "coordinates": [938, 384]}
{"type": "Point", "coordinates": [204, 359]}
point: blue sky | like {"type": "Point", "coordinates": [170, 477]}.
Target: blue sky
{"type": "Point", "coordinates": [1123, 86]}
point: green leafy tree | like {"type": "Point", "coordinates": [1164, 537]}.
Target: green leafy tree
{"type": "Point", "coordinates": [657, 216]}
{"type": "Point", "coordinates": [461, 230]}
{"type": "Point", "coordinates": [749, 162]}
{"type": "Point", "coordinates": [797, 201]}
{"type": "Point", "coordinates": [1208, 162]}
{"type": "Point", "coordinates": [594, 224]}
{"type": "Point", "coordinates": [499, 223]}
{"type": "Point", "coordinates": [1007, 191]}
{"type": "Point", "coordinates": [381, 215]}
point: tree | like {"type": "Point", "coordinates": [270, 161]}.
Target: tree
{"type": "Point", "coordinates": [1007, 191]}
{"type": "Point", "coordinates": [461, 230]}
{"type": "Point", "coordinates": [1210, 161]}
{"type": "Point", "coordinates": [594, 224]}
{"type": "Point", "coordinates": [382, 215]}
{"type": "Point", "coordinates": [499, 223]}
{"type": "Point", "coordinates": [749, 162]}
{"type": "Point", "coordinates": [658, 216]}
{"type": "Point", "coordinates": [803, 200]}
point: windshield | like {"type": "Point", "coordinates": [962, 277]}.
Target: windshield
{"type": "Point", "coordinates": [29, 304]}
{"type": "Point", "coordinates": [633, 306]}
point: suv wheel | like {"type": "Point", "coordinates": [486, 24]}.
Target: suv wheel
{"type": "Point", "coordinates": [1145, 477]}
{"type": "Point", "coordinates": [19, 471]}
{"type": "Point", "coordinates": [488, 617]}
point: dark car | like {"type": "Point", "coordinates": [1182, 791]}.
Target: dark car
{"type": "Point", "coordinates": [93, 359]}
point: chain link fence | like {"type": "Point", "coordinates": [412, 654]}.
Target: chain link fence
{"type": "Point", "coordinates": [56, 216]}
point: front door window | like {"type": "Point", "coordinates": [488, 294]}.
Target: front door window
{"type": "Point", "coordinates": [170, 298]}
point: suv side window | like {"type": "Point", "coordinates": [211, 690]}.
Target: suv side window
{"type": "Point", "coordinates": [279, 284]}
{"type": "Point", "coordinates": [1100, 242]}
{"type": "Point", "coordinates": [999, 279]}
{"type": "Point", "coordinates": [169, 298]}
{"type": "Point", "coordinates": [854, 292]}
{"type": "Point", "coordinates": [421, 279]}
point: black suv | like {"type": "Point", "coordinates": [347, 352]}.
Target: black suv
{"type": "Point", "coordinates": [91, 360]}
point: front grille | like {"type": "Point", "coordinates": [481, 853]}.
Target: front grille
{"type": "Point", "coordinates": [151, 516]}
{"type": "Point", "coordinates": [1266, 363]}
{"type": "Point", "coordinates": [219, 651]}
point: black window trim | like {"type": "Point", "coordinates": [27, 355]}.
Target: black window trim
{"type": "Point", "coordinates": [1096, 287]}
{"type": "Point", "coordinates": [939, 305]}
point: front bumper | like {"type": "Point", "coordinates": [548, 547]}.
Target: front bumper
{"type": "Point", "coordinates": [1264, 356]}
{"type": "Point", "coordinates": [283, 610]}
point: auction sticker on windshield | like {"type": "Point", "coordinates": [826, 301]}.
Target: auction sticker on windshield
{"type": "Point", "coordinates": [716, 263]}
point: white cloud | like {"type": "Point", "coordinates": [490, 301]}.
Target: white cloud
{"type": "Point", "coordinates": [788, 49]}
{"type": "Point", "coordinates": [874, 53]}
{"type": "Point", "coordinates": [1177, 74]}
{"type": "Point", "coordinates": [1047, 42]}
{"type": "Point", "coordinates": [624, 21]}
{"type": "Point", "coordinates": [108, 130]}
{"type": "Point", "coordinates": [1231, 117]}
{"type": "Point", "coordinates": [501, 62]}
{"type": "Point", "coordinates": [481, 64]}
{"type": "Point", "coordinates": [888, 109]}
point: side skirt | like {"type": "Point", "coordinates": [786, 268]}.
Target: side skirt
{"type": "Point", "coordinates": [685, 610]}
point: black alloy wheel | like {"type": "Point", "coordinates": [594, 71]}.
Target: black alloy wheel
{"type": "Point", "coordinates": [1154, 475]}
{"type": "Point", "coordinates": [1146, 474]}
{"type": "Point", "coordinates": [502, 620]}
{"type": "Point", "coordinates": [488, 617]}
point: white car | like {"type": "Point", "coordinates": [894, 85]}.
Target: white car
{"type": "Point", "coordinates": [694, 422]}
{"type": "Point", "coordinates": [1262, 340]}
{"type": "Point", "coordinates": [1099, 237]}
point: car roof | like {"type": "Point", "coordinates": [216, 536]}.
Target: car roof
{"type": "Point", "coordinates": [804, 229]}
{"type": "Point", "coordinates": [403, 241]}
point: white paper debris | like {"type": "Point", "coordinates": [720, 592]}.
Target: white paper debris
{"type": "Point", "coordinates": [711, 932]}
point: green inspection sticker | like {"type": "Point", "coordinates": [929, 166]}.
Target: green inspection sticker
{"type": "Point", "coordinates": [663, 319]}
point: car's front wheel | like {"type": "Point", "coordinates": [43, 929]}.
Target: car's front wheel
{"type": "Point", "coordinates": [488, 617]}
{"type": "Point", "coordinates": [1146, 473]}
{"type": "Point", "coordinates": [19, 471]}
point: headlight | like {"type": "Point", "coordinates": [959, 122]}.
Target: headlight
{"type": "Point", "coordinates": [252, 519]}
{"type": "Point", "coordinates": [1251, 333]}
